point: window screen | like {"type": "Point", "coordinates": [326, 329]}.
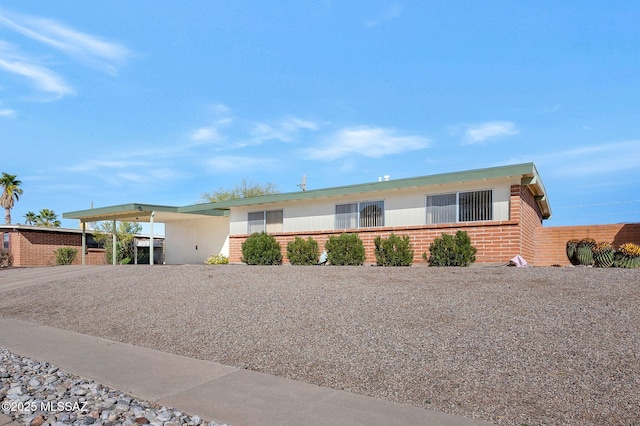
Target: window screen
{"type": "Point", "coordinates": [346, 216]}
{"type": "Point", "coordinates": [371, 214]}
{"type": "Point", "coordinates": [441, 208]}
{"type": "Point", "coordinates": [475, 206]}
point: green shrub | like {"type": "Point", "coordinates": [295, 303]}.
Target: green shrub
{"type": "Point", "coordinates": [451, 250]}
{"type": "Point", "coordinates": [261, 249]}
{"type": "Point", "coordinates": [217, 260]}
{"type": "Point", "coordinates": [303, 252]}
{"type": "Point", "coordinates": [65, 255]}
{"type": "Point", "coordinates": [6, 258]}
{"type": "Point", "coordinates": [345, 249]}
{"type": "Point", "coordinates": [393, 251]}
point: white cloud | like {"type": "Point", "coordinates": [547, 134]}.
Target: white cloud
{"type": "Point", "coordinates": [285, 130]}
{"type": "Point", "coordinates": [230, 163]}
{"type": "Point", "coordinates": [6, 112]}
{"type": "Point", "coordinates": [206, 134]}
{"type": "Point", "coordinates": [481, 132]}
{"type": "Point", "coordinates": [391, 12]}
{"type": "Point", "coordinates": [374, 142]}
{"type": "Point", "coordinates": [106, 56]}
{"type": "Point", "coordinates": [43, 78]}
{"type": "Point", "coordinates": [107, 164]}
{"type": "Point", "coordinates": [588, 161]}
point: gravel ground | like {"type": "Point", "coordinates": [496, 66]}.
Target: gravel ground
{"type": "Point", "coordinates": [509, 345]}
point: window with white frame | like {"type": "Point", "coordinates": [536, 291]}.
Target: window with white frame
{"type": "Point", "coordinates": [265, 221]}
{"type": "Point", "coordinates": [469, 206]}
{"type": "Point", "coordinates": [365, 214]}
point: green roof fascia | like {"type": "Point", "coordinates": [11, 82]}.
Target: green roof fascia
{"type": "Point", "coordinates": [113, 212]}
{"type": "Point", "coordinates": [525, 170]}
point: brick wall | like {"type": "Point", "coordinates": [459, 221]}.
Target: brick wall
{"type": "Point", "coordinates": [530, 221]}
{"type": "Point", "coordinates": [495, 241]}
{"type": "Point", "coordinates": [37, 248]}
{"type": "Point", "coordinates": [551, 241]}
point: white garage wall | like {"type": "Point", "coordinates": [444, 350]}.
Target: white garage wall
{"type": "Point", "coordinates": [210, 235]}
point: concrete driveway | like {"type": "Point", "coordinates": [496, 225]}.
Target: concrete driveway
{"type": "Point", "coordinates": [13, 278]}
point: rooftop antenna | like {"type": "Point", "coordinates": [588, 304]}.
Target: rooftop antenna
{"type": "Point", "coordinates": [303, 185]}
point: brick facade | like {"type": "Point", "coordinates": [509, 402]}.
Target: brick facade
{"type": "Point", "coordinates": [496, 241]}
{"type": "Point", "coordinates": [37, 248]}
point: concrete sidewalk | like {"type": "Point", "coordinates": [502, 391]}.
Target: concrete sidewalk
{"type": "Point", "coordinates": [212, 391]}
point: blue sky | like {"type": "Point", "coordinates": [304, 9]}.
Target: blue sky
{"type": "Point", "coordinates": [112, 102]}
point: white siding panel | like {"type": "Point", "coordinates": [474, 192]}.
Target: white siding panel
{"type": "Point", "coordinates": [405, 207]}
{"type": "Point", "coordinates": [209, 235]}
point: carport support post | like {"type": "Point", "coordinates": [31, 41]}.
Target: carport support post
{"type": "Point", "coordinates": [114, 249]}
{"type": "Point", "coordinates": [151, 238]}
{"type": "Point", "coordinates": [84, 242]}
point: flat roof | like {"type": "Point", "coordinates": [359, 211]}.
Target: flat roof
{"type": "Point", "coordinates": [526, 172]}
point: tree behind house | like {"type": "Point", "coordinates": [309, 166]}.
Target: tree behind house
{"type": "Point", "coordinates": [125, 239]}
{"type": "Point", "coordinates": [243, 190]}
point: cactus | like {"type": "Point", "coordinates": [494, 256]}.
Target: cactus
{"type": "Point", "coordinates": [627, 256]}
{"type": "Point", "coordinates": [572, 245]}
{"type": "Point", "coordinates": [603, 255]}
{"type": "Point", "coordinates": [584, 255]}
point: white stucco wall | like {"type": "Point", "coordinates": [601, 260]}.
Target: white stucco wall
{"type": "Point", "coordinates": [193, 241]}
{"type": "Point", "coordinates": [404, 207]}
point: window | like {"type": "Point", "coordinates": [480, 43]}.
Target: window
{"type": "Point", "coordinates": [265, 221]}
{"type": "Point", "coordinates": [346, 216]}
{"type": "Point", "coordinates": [441, 208]}
{"type": "Point", "coordinates": [360, 215]}
{"type": "Point", "coordinates": [460, 207]}
{"type": "Point", "coordinates": [5, 240]}
{"type": "Point", "coordinates": [92, 243]}
{"type": "Point", "coordinates": [474, 206]}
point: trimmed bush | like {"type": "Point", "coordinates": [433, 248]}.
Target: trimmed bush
{"type": "Point", "coordinates": [65, 255]}
{"type": "Point", "coordinates": [450, 250]}
{"type": "Point", "coordinates": [6, 258]}
{"type": "Point", "coordinates": [261, 249]}
{"type": "Point", "coordinates": [303, 252]}
{"type": "Point", "coordinates": [345, 249]}
{"type": "Point", "coordinates": [393, 251]}
{"type": "Point", "coordinates": [217, 260]}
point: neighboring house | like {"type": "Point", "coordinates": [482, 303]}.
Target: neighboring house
{"type": "Point", "coordinates": [36, 245]}
{"type": "Point", "coordinates": [501, 208]}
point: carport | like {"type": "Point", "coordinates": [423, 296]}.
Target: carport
{"type": "Point", "coordinates": [135, 212]}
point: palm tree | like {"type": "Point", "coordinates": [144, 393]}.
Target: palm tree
{"type": "Point", "coordinates": [48, 218]}
{"type": "Point", "coordinates": [30, 218]}
{"type": "Point", "coordinates": [11, 192]}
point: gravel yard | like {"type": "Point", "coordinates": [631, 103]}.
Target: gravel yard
{"type": "Point", "coordinates": [509, 345]}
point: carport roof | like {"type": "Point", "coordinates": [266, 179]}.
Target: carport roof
{"type": "Point", "coordinates": [135, 212]}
